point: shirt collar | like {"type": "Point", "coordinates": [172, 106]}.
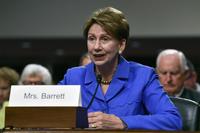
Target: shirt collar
{"type": "Point", "coordinates": [179, 94]}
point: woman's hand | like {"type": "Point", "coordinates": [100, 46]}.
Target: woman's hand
{"type": "Point", "coordinates": [101, 120]}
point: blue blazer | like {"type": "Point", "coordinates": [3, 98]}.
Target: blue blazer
{"type": "Point", "coordinates": [134, 95]}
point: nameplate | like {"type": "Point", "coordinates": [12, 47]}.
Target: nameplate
{"type": "Point", "coordinates": [45, 96]}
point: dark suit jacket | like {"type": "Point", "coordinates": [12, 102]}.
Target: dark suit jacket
{"type": "Point", "coordinates": [190, 94]}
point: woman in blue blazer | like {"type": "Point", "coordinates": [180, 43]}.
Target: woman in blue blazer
{"type": "Point", "coordinates": [128, 95]}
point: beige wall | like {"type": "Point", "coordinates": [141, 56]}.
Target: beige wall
{"type": "Point", "coordinates": [65, 18]}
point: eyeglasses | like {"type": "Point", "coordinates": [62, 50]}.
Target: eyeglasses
{"type": "Point", "coordinates": [33, 83]}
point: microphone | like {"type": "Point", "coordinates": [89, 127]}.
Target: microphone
{"type": "Point", "coordinates": [98, 78]}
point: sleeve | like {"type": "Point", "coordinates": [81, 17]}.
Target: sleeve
{"type": "Point", "coordinates": [161, 112]}
{"type": "Point", "coordinates": [73, 76]}
{"type": "Point", "coordinates": [66, 79]}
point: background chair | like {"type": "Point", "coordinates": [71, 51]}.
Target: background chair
{"type": "Point", "coordinates": [189, 111]}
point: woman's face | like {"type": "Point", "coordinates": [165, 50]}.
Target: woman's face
{"type": "Point", "coordinates": [102, 47]}
{"type": "Point", "coordinates": [4, 90]}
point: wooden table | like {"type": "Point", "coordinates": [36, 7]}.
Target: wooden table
{"type": "Point", "coordinates": [85, 131]}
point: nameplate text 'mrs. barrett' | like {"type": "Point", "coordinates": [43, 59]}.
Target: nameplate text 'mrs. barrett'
{"type": "Point", "coordinates": [45, 95]}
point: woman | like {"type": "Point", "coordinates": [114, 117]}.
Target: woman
{"type": "Point", "coordinates": [130, 95]}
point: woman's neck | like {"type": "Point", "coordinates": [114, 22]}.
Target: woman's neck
{"type": "Point", "coordinates": [107, 71]}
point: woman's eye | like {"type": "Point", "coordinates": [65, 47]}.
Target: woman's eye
{"type": "Point", "coordinates": [105, 39]}
{"type": "Point", "coordinates": [90, 38]}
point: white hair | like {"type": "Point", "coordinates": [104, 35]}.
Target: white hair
{"type": "Point", "coordinates": [179, 54]}
{"type": "Point", "coordinates": [37, 69]}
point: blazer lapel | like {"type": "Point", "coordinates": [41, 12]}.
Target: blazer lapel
{"type": "Point", "coordinates": [119, 79]}
{"type": "Point", "coordinates": [91, 83]}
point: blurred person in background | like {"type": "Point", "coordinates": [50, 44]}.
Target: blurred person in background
{"type": "Point", "coordinates": [35, 74]}
{"type": "Point", "coordinates": [171, 66]}
{"type": "Point", "coordinates": [191, 79]}
{"type": "Point", "coordinates": [8, 77]}
{"type": "Point", "coordinates": [85, 59]}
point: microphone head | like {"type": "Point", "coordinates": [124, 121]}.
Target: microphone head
{"type": "Point", "coordinates": [99, 78]}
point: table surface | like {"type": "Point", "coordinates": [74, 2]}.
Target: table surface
{"type": "Point", "coordinates": [44, 130]}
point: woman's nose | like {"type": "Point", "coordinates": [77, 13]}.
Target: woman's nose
{"type": "Point", "coordinates": [97, 44]}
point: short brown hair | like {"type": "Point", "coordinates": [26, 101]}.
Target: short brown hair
{"type": "Point", "coordinates": [9, 74]}
{"type": "Point", "coordinates": [112, 20]}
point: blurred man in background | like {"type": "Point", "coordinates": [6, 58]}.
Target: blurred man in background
{"type": "Point", "coordinates": [172, 69]}
{"type": "Point", "coordinates": [191, 79]}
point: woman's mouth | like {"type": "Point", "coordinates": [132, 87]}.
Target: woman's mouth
{"type": "Point", "coordinates": [98, 57]}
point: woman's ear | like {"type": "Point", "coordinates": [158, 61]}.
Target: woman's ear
{"type": "Point", "coordinates": [122, 46]}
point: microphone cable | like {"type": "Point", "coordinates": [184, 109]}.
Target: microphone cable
{"type": "Point", "coordinates": [98, 78]}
